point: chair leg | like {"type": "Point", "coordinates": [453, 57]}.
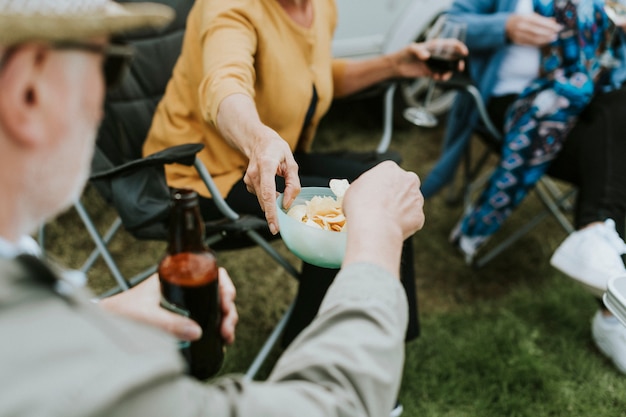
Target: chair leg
{"type": "Point", "coordinates": [269, 344]}
{"type": "Point", "coordinates": [454, 194]}
{"type": "Point", "coordinates": [41, 239]}
{"type": "Point", "coordinates": [385, 140]}
{"type": "Point", "coordinates": [514, 237]}
{"type": "Point", "coordinates": [554, 203]}
{"type": "Point", "coordinates": [95, 254]}
{"type": "Point", "coordinates": [265, 245]}
{"type": "Point", "coordinates": [133, 281]}
{"type": "Point", "coordinates": [101, 245]}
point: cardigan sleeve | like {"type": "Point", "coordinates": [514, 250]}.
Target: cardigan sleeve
{"type": "Point", "coordinates": [228, 43]}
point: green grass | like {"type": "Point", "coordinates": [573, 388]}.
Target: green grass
{"type": "Point", "coordinates": [526, 354]}
{"type": "Point", "coordinates": [510, 339]}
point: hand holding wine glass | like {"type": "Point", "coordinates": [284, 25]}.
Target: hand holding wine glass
{"type": "Point", "coordinates": [445, 44]}
{"type": "Point", "coordinates": [444, 55]}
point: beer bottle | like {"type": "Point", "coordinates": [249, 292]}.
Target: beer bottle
{"type": "Point", "coordinates": [188, 274]}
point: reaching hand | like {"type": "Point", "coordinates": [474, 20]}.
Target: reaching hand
{"type": "Point", "coordinates": [271, 156]}
{"type": "Point", "coordinates": [142, 303]}
{"type": "Point", "coordinates": [532, 29]}
{"type": "Point", "coordinates": [268, 154]}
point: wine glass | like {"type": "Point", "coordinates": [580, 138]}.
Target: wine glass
{"type": "Point", "coordinates": [616, 12]}
{"type": "Point", "coordinates": [421, 116]}
{"type": "Point", "coordinates": [443, 58]}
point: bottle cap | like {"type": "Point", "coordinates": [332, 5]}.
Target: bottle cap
{"type": "Point", "coordinates": [184, 196]}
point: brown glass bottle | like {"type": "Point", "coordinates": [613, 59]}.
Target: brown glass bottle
{"type": "Point", "coordinates": [189, 283]}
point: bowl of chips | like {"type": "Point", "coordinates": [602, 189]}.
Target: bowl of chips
{"type": "Point", "coordinates": [314, 227]}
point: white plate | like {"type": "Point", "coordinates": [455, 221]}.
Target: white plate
{"type": "Point", "coordinates": [615, 297]}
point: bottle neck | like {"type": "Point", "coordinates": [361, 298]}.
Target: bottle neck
{"type": "Point", "coordinates": [186, 232]}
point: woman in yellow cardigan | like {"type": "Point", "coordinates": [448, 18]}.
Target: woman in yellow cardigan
{"type": "Point", "coordinates": [253, 80]}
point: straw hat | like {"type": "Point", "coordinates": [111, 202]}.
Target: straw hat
{"type": "Point", "coordinates": [54, 20]}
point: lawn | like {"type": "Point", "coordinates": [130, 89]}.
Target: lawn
{"type": "Point", "coordinates": [509, 339]}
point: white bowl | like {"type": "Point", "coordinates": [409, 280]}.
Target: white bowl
{"type": "Point", "coordinates": [324, 248]}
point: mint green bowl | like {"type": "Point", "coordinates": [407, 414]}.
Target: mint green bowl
{"type": "Point", "coordinates": [323, 248]}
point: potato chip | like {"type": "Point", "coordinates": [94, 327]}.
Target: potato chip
{"type": "Point", "coordinates": [339, 188]}
{"type": "Point", "coordinates": [323, 212]}
{"type": "Point", "coordinates": [298, 212]}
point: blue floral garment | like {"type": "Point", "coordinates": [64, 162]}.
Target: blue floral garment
{"type": "Point", "coordinates": [539, 120]}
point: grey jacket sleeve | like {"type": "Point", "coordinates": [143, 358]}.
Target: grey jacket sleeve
{"type": "Point", "coordinates": [65, 357]}
{"type": "Point", "coordinates": [348, 362]}
{"type": "Point", "coordinates": [354, 350]}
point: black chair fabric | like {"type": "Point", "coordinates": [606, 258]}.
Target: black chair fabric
{"type": "Point", "coordinates": [138, 190]}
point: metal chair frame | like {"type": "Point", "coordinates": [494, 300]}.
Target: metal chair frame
{"type": "Point", "coordinates": [556, 201]}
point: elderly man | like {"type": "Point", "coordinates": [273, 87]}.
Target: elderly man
{"type": "Point", "coordinates": [63, 355]}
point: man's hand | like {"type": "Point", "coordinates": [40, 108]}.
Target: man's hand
{"type": "Point", "coordinates": [386, 197]}
{"type": "Point", "coordinates": [532, 29]}
{"type": "Point", "coordinates": [383, 207]}
{"type": "Point", "coordinates": [230, 317]}
{"type": "Point", "coordinates": [142, 303]}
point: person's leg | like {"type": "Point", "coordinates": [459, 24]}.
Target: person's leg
{"type": "Point", "coordinates": [407, 277]}
{"type": "Point", "coordinates": [315, 281]}
{"type": "Point", "coordinates": [497, 108]}
{"type": "Point", "coordinates": [592, 158]}
{"type": "Point", "coordinates": [525, 156]}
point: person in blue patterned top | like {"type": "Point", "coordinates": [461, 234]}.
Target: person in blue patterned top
{"type": "Point", "coordinates": [551, 73]}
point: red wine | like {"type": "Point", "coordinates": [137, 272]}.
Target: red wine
{"type": "Point", "coordinates": [444, 61]}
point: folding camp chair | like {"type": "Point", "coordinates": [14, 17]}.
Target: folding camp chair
{"type": "Point", "coordinates": [136, 186]}
{"type": "Point", "coordinates": [556, 199]}
{"type": "Point", "coordinates": [412, 27]}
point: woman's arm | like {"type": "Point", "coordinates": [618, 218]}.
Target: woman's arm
{"type": "Point", "coordinates": [409, 62]}
{"type": "Point", "coordinates": [269, 155]}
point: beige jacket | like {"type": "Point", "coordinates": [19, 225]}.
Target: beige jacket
{"type": "Point", "coordinates": [62, 356]}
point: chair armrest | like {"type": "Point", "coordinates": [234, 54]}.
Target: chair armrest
{"type": "Point", "coordinates": [180, 154]}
